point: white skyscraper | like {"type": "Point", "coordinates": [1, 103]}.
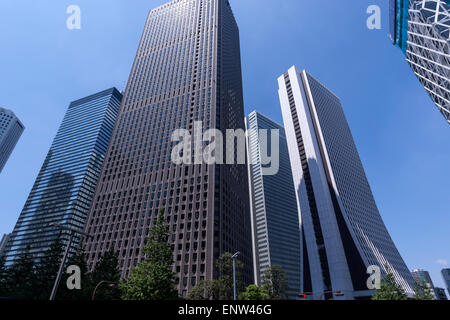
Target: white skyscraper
{"type": "Point", "coordinates": [274, 209]}
{"type": "Point", "coordinates": [10, 131]}
{"type": "Point", "coordinates": [343, 230]}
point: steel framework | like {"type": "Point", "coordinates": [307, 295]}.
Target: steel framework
{"type": "Point", "coordinates": [428, 49]}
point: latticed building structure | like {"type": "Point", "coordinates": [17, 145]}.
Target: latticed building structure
{"type": "Point", "coordinates": [421, 28]}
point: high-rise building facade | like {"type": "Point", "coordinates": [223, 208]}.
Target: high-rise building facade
{"type": "Point", "coordinates": [10, 131]}
{"type": "Point", "coordinates": [187, 70]}
{"type": "Point", "coordinates": [446, 276]}
{"type": "Point", "coordinates": [421, 276]}
{"type": "Point", "coordinates": [421, 28]}
{"type": "Point", "coordinates": [440, 293]}
{"type": "Point", "coordinates": [342, 230]}
{"type": "Point", "coordinates": [63, 190]}
{"type": "Point", "coordinates": [3, 243]}
{"type": "Point", "coordinates": [273, 204]}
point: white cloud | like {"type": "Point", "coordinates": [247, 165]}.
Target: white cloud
{"type": "Point", "coordinates": [442, 262]}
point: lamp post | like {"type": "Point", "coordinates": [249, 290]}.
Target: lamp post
{"type": "Point", "coordinates": [234, 274]}
{"type": "Point", "coordinates": [63, 262]}
{"type": "Point", "coordinates": [110, 283]}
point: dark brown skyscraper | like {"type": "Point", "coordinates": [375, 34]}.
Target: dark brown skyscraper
{"type": "Point", "coordinates": [187, 69]}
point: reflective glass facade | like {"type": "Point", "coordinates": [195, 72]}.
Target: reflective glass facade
{"type": "Point", "coordinates": [275, 215]}
{"type": "Point", "coordinates": [446, 276]}
{"type": "Point", "coordinates": [63, 190]}
{"type": "Point", "coordinates": [10, 131]}
{"type": "Point", "coordinates": [187, 69]}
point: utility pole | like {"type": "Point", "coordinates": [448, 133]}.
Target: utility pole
{"type": "Point", "coordinates": [234, 275]}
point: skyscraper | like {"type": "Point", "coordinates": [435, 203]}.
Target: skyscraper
{"type": "Point", "coordinates": [446, 276]}
{"type": "Point", "coordinates": [63, 190]}
{"type": "Point", "coordinates": [275, 216]}
{"type": "Point", "coordinates": [421, 28]}
{"type": "Point", "coordinates": [342, 228]}
{"type": "Point", "coordinates": [10, 131]}
{"type": "Point", "coordinates": [422, 276]}
{"type": "Point", "coordinates": [440, 294]}
{"type": "Point", "coordinates": [3, 243]}
{"type": "Point", "coordinates": [187, 69]}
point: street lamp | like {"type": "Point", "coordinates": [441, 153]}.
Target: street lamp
{"type": "Point", "coordinates": [110, 283]}
{"type": "Point", "coordinates": [63, 262]}
{"type": "Point", "coordinates": [234, 274]}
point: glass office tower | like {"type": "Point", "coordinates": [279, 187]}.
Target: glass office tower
{"type": "Point", "coordinates": [273, 204]}
{"type": "Point", "coordinates": [63, 190]}
{"type": "Point", "coordinates": [440, 293]}
{"type": "Point", "coordinates": [421, 28]}
{"type": "Point", "coordinates": [341, 225]}
{"type": "Point", "coordinates": [446, 276]}
{"type": "Point", "coordinates": [10, 131]}
{"type": "Point", "coordinates": [420, 276]}
{"type": "Point", "coordinates": [187, 69]}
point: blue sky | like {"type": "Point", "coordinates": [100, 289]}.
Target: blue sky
{"type": "Point", "coordinates": [401, 137]}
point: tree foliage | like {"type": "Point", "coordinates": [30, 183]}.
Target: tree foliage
{"type": "Point", "coordinates": [106, 277]}
{"type": "Point", "coordinates": [390, 290]}
{"type": "Point", "coordinates": [253, 292]}
{"type": "Point", "coordinates": [28, 279]}
{"type": "Point", "coordinates": [224, 266]}
{"type": "Point", "coordinates": [274, 282]}
{"type": "Point", "coordinates": [205, 290]}
{"type": "Point", "coordinates": [47, 269]}
{"type": "Point", "coordinates": [3, 278]}
{"type": "Point", "coordinates": [221, 288]}
{"type": "Point", "coordinates": [21, 278]}
{"type": "Point", "coordinates": [153, 278]}
{"type": "Point", "coordinates": [423, 291]}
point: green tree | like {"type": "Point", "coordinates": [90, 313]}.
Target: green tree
{"type": "Point", "coordinates": [107, 271]}
{"type": "Point", "coordinates": [422, 291]}
{"type": "Point", "coordinates": [205, 290]}
{"type": "Point", "coordinates": [22, 280]}
{"type": "Point", "coordinates": [47, 269]}
{"type": "Point", "coordinates": [389, 290]}
{"type": "Point", "coordinates": [253, 292]}
{"type": "Point", "coordinates": [224, 266]}
{"type": "Point", "coordinates": [153, 278]}
{"type": "Point", "coordinates": [3, 278]}
{"type": "Point", "coordinates": [221, 288]}
{"type": "Point", "coordinates": [274, 282]}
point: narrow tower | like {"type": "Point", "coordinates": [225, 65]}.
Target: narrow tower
{"type": "Point", "coordinates": [273, 203]}
{"type": "Point", "coordinates": [10, 131]}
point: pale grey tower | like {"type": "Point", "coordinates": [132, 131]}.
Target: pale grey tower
{"type": "Point", "coordinates": [343, 229]}
{"type": "Point", "coordinates": [10, 131]}
{"type": "Point", "coordinates": [273, 204]}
